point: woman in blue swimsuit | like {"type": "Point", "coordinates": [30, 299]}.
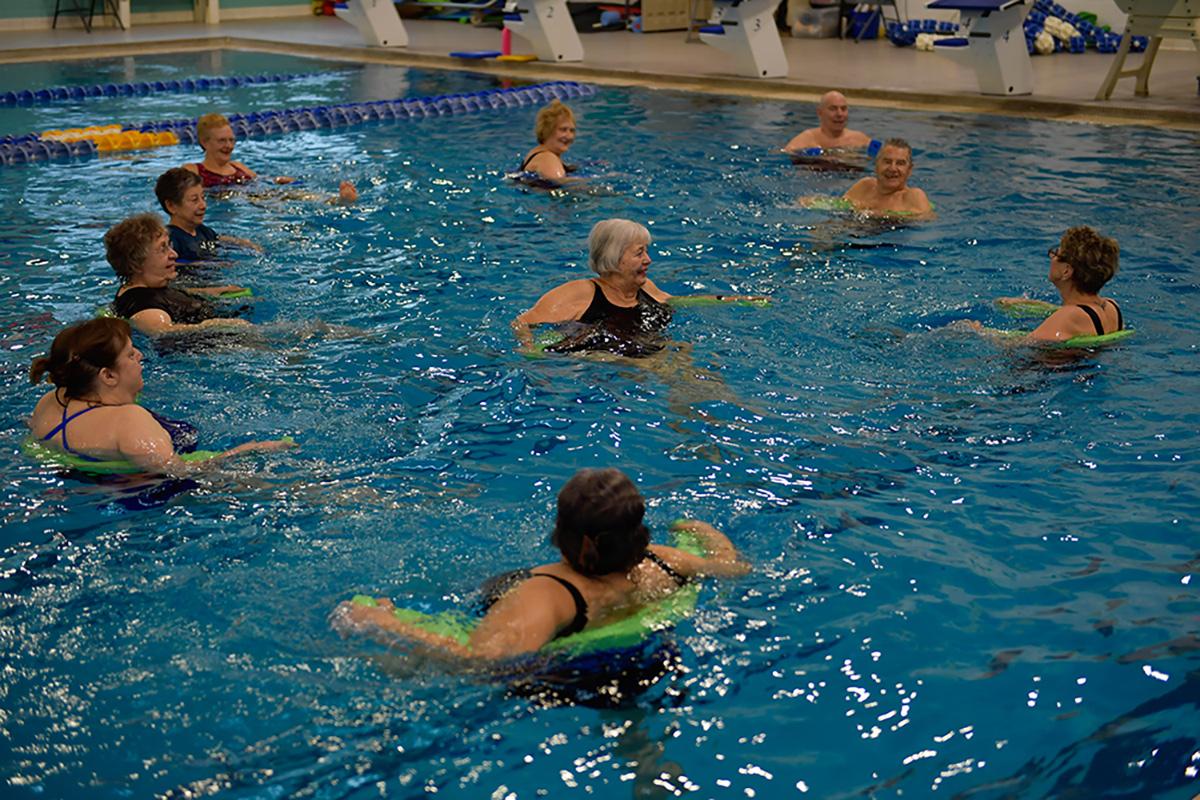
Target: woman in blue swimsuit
{"type": "Point", "coordinates": [93, 414]}
{"type": "Point", "coordinates": [608, 569]}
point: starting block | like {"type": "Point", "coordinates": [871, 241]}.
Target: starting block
{"type": "Point", "coordinates": [746, 30]}
{"type": "Point", "coordinates": [376, 20]}
{"type": "Point", "coordinates": [995, 46]}
{"type": "Point", "coordinates": [547, 26]}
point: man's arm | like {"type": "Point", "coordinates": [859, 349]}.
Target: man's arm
{"type": "Point", "coordinates": [801, 141]}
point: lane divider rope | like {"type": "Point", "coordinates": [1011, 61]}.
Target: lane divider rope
{"type": "Point", "coordinates": [56, 145]}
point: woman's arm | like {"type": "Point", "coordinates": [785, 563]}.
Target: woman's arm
{"type": "Point", "coordinates": [156, 322]}
{"type": "Point", "coordinates": [520, 622]}
{"type": "Point", "coordinates": [560, 304]}
{"type": "Point", "coordinates": [548, 165]}
{"type": "Point", "coordinates": [1026, 307]}
{"type": "Point", "coordinates": [1065, 323]}
{"type": "Point", "coordinates": [237, 241]}
{"type": "Point", "coordinates": [721, 559]}
{"type": "Point", "coordinates": [216, 291]}
{"type": "Point", "coordinates": [143, 441]}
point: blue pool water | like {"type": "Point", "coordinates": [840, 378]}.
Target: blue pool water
{"type": "Point", "coordinates": [975, 567]}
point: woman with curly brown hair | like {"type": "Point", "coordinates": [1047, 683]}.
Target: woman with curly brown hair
{"type": "Point", "coordinates": [1080, 265]}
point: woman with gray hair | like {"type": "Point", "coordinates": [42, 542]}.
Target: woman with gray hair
{"type": "Point", "coordinates": [620, 311]}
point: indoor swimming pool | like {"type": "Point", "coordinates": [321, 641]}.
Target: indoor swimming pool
{"type": "Point", "coordinates": [975, 565]}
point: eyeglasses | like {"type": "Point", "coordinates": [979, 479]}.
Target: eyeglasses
{"type": "Point", "coordinates": [1053, 253]}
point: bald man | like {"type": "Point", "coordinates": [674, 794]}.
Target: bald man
{"type": "Point", "coordinates": [832, 112]}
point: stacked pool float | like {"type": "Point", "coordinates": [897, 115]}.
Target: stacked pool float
{"type": "Point", "coordinates": [80, 142]}
{"type": "Point", "coordinates": [916, 31]}
{"type": "Point", "coordinates": [1050, 28]}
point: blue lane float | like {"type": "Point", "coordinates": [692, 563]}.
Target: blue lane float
{"type": "Point", "coordinates": [260, 124]}
{"type": "Point", "coordinates": [56, 94]}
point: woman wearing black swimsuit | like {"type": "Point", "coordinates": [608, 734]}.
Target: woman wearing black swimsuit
{"type": "Point", "coordinates": [139, 250]}
{"type": "Point", "coordinates": [555, 131]}
{"type": "Point", "coordinates": [1080, 265]}
{"type": "Point", "coordinates": [622, 310]}
{"type": "Point", "coordinates": [608, 570]}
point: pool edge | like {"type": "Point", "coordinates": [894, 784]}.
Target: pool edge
{"type": "Point", "coordinates": [1022, 107]}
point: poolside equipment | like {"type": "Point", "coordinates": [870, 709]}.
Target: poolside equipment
{"type": "Point", "coordinates": [746, 30]}
{"type": "Point", "coordinates": [475, 55]}
{"type": "Point", "coordinates": [1158, 20]}
{"type": "Point", "coordinates": [51, 457]}
{"type": "Point", "coordinates": [547, 26]}
{"type": "Point", "coordinates": [57, 94]}
{"type": "Point", "coordinates": [376, 21]}
{"type": "Point", "coordinates": [624, 634]}
{"type": "Point", "coordinates": [995, 44]}
{"type": "Point", "coordinates": [77, 142]}
{"type": "Point", "coordinates": [517, 57]}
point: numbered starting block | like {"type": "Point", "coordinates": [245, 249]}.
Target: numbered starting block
{"type": "Point", "coordinates": [547, 26]}
{"type": "Point", "coordinates": [746, 30]}
{"type": "Point", "coordinates": [376, 20]}
{"type": "Point", "coordinates": [995, 44]}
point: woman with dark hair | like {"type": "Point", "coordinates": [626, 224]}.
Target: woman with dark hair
{"type": "Point", "coordinates": [608, 570]}
{"type": "Point", "coordinates": [1080, 265]}
{"type": "Point", "coordinates": [92, 413]}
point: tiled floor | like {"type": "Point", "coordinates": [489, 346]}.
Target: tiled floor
{"type": "Point", "coordinates": [872, 72]}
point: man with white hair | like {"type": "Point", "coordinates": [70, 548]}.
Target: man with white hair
{"type": "Point", "coordinates": [888, 192]}
{"type": "Point", "coordinates": [833, 112]}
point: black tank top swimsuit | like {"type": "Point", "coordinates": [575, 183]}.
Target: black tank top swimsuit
{"type": "Point", "coordinates": [537, 151]}
{"type": "Point", "coordinates": [181, 307]}
{"type": "Point", "coordinates": [497, 587]}
{"type": "Point", "coordinates": [1091, 312]}
{"type": "Point", "coordinates": [634, 331]}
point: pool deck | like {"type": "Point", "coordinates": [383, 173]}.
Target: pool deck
{"type": "Point", "coordinates": [874, 73]}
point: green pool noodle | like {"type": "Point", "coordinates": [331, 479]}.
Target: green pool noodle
{"type": "Point", "coordinates": [57, 458]}
{"type": "Point", "coordinates": [1074, 341]}
{"type": "Point", "coordinates": [1028, 309]}
{"type": "Point", "coordinates": [622, 634]}
{"type": "Point", "coordinates": [829, 204]}
{"type": "Point", "coordinates": [687, 301]}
